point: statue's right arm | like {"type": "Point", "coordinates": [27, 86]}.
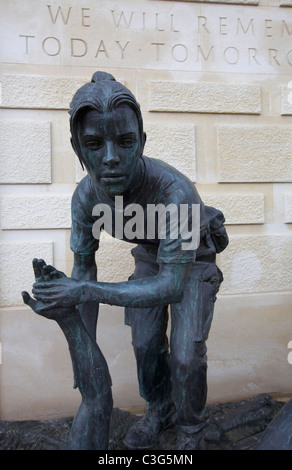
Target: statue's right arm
{"type": "Point", "coordinates": [84, 268]}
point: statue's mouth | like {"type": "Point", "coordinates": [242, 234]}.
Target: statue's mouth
{"type": "Point", "coordinates": [112, 178]}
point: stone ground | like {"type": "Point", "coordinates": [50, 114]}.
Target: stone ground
{"type": "Point", "coordinates": [234, 426]}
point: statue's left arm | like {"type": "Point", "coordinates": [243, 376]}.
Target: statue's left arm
{"type": "Point", "coordinates": [164, 288]}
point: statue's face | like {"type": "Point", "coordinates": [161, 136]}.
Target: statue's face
{"type": "Point", "coordinates": [111, 145]}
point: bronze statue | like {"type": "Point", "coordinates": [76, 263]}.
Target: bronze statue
{"type": "Point", "coordinates": [278, 434]}
{"type": "Point", "coordinates": [171, 272]}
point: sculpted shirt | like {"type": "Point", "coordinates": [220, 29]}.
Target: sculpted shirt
{"type": "Point", "coordinates": [159, 183]}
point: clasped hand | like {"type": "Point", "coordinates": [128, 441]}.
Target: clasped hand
{"type": "Point", "coordinates": [53, 291]}
{"type": "Point", "coordinates": [58, 290]}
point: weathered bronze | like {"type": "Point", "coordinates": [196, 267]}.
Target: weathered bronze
{"type": "Point", "coordinates": [278, 434]}
{"type": "Point", "coordinates": [170, 274]}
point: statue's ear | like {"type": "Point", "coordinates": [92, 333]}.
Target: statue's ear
{"type": "Point", "coordinates": [77, 153]}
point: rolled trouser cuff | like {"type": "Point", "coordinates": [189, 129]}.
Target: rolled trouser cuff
{"type": "Point", "coordinates": [192, 429]}
{"type": "Point", "coordinates": [202, 421]}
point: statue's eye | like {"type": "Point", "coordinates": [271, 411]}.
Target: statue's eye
{"type": "Point", "coordinates": [127, 141]}
{"type": "Point", "coordinates": [93, 144]}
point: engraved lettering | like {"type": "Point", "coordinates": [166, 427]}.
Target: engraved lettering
{"type": "Point", "coordinates": [205, 57]}
{"type": "Point", "coordinates": [81, 52]}
{"type": "Point", "coordinates": [26, 41]}
{"type": "Point", "coordinates": [202, 20]}
{"type": "Point", "coordinates": [157, 44]}
{"type": "Point", "coordinates": [156, 23]}
{"type": "Point", "coordinates": [126, 21]}
{"type": "Point", "coordinates": [252, 52]}
{"type": "Point", "coordinates": [122, 48]}
{"type": "Point", "coordinates": [54, 46]}
{"type": "Point", "coordinates": [172, 28]}
{"type": "Point", "coordinates": [268, 27]}
{"type": "Point", "coordinates": [180, 55]}
{"type": "Point", "coordinates": [101, 48]}
{"type": "Point", "coordinates": [194, 46]}
{"type": "Point", "coordinates": [231, 55]}
{"type": "Point", "coordinates": [273, 56]}
{"type": "Point", "coordinates": [222, 25]}
{"type": "Point", "coordinates": [250, 24]}
{"type": "Point", "coordinates": [285, 27]}
{"type": "Point", "coordinates": [59, 12]}
{"type": "Point", "coordinates": [84, 16]}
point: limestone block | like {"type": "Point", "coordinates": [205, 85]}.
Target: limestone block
{"type": "Point", "coordinates": [247, 346]}
{"type": "Point", "coordinates": [45, 211]}
{"type": "Point", "coordinates": [26, 91]}
{"type": "Point", "coordinates": [254, 153]}
{"type": "Point", "coordinates": [288, 208]}
{"type": "Point", "coordinates": [114, 260]}
{"type": "Point", "coordinates": [204, 97]}
{"type": "Point", "coordinates": [16, 272]}
{"type": "Point", "coordinates": [286, 3]}
{"type": "Point", "coordinates": [173, 143]}
{"type": "Point", "coordinates": [238, 208]}
{"type": "Point", "coordinates": [286, 99]}
{"type": "Point", "coordinates": [48, 92]}
{"type": "Point", "coordinates": [25, 152]}
{"type": "Point", "coordinates": [259, 263]}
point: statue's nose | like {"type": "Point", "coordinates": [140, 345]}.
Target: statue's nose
{"type": "Point", "coordinates": [110, 158]}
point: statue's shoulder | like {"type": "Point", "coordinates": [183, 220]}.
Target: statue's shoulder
{"type": "Point", "coordinates": [156, 168]}
{"type": "Point", "coordinates": [168, 176]}
{"type": "Point", "coordinates": [84, 190]}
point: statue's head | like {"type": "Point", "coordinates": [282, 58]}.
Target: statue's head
{"type": "Point", "coordinates": [99, 109]}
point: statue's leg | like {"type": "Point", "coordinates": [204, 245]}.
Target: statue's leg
{"type": "Point", "coordinates": [90, 428]}
{"type": "Point", "coordinates": [151, 351]}
{"type": "Point", "coordinates": [150, 344]}
{"type": "Point", "coordinates": [190, 324]}
{"type": "Point", "coordinates": [89, 316]}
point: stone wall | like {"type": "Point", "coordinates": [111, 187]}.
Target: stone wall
{"type": "Point", "coordinates": [214, 80]}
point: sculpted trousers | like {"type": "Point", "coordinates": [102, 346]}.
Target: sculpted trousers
{"type": "Point", "coordinates": [175, 371]}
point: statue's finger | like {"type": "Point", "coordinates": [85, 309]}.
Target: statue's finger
{"type": "Point", "coordinates": [48, 272]}
{"type": "Point", "coordinates": [41, 297]}
{"type": "Point", "coordinates": [37, 268]}
{"type": "Point", "coordinates": [28, 300]}
{"type": "Point", "coordinates": [45, 285]}
{"type": "Point", "coordinates": [48, 268]}
{"type": "Point", "coordinates": [42, 266]}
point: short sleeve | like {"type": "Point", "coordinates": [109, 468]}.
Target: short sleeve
{"type": "Point", "coordinates": [181, 237]}
{"type": "Point", "coordinates": [183, 227]}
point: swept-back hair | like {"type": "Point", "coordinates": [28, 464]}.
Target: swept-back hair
{"type": "Point", "coordinates": [102, 94]}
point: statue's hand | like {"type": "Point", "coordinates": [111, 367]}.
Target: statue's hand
{"type": "Point", "coordinates": [46, 310]}
{"type": "Point", "coordinates": [44, 272]}
{"type": "Point", "coordinates": [54, 288]}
